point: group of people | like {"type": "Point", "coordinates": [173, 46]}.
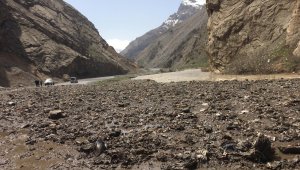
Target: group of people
{"type": "Point", "coordinates": [38, 83]}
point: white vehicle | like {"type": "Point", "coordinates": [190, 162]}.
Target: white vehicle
{"type": "Point", "coordinates": [73, 80]}
{"type": "Point", "coordinates": [49, 82]}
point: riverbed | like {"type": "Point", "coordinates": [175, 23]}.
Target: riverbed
{"type": "Point", "coordinates": [199, 75]}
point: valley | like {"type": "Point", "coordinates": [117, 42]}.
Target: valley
{"type": "Point", "coordinates": [214, 86]}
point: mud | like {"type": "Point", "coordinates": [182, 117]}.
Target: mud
{"type": "Point", "coordinates": [147, 125]}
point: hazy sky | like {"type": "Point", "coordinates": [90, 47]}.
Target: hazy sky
{"type": "Point", "coordinates": [121, 21]}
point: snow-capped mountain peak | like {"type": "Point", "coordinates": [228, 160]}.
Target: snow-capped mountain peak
{"type": "Point", "coordinates": [194, 3]}
{"type": "Point", "coordinates": [187, 9]}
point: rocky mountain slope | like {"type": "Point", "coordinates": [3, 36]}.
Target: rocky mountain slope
{"type": "Point", "coordinates": [51, 38]}
{"type": "Point", "coordinates": [182, 46]}
{"type": "Point", "coordinates": [173, 42]}
{"type": "Point", "coordinates": [254, 36]}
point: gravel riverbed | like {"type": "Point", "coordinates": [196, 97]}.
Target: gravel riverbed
{"type": "Point", "coordinates": [149, 125]}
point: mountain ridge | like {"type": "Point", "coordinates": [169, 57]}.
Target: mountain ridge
{"type": "Point", "coordinates": [136, 46]}
{"type": "Point", "coordinates": [51, 38]}
{"type": "Point", "coordinates": [183, 46]}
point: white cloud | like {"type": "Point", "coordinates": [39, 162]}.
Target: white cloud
{"type": "Point", "coordinates": [118, 44]}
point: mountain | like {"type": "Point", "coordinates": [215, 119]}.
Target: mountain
{"type": "Point", "coordinates": [182, 46]}
{"type": "Point", "coordinates": [254, 36]}
{"type": "Point", "coordinates": [165, 46]}
{"type": "Point", "coordinates": [46, 38]}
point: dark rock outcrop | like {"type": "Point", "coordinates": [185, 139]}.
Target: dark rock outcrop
{"type": "Point", "coordinates": [51, 38]}
{"type": "Point", "coordinates": [253, 36]}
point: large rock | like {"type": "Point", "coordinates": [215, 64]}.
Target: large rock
{"type": "Point", "coordinates": [254, 36]}
{"type": "Point", "coordinates": [56, 114]}
{"type": "Point", "coordinates": [50, 38]}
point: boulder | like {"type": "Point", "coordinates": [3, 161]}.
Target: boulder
{"type": "Point", "coordinates": [290, 149]}
{"type": "Point", "coordinates": [262, 150]}
{"type": "Point", "coordinates": [56, 114]}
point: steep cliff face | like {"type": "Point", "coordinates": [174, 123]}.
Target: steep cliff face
{"type": "Point", "coordinates": [293, 31]}
{"type": "Point", "coordinates": [253, 36]}
{"type": "Point", "coordinates": [50, 38]}
{"type": "Point", "coordinates": [183, 46]}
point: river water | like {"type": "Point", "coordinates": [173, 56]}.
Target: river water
{"type": "Point", "coordinates": [198, 75]}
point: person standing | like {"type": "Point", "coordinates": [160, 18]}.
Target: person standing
{"type": "Point", "coordinates": [37, 83]}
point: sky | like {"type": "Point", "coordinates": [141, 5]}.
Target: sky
{"type": "Point", "coordinates": [121, 21]}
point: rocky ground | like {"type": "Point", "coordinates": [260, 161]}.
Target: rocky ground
{"type": "Point", "coordinates": [147, 125]}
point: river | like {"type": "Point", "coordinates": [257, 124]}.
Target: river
{"type": "Point", "coordinates": [198, 75]}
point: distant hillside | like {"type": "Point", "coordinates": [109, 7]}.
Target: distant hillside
{"type": "Point", "coordinates": [50, 38]}
{"type": "Point", "coordinates": [178, 42]}
{"type": "Point", "coordinates": [182, 46]}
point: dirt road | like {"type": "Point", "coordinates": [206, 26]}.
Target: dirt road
{"type": "Point", "coordinates": [87, 81]}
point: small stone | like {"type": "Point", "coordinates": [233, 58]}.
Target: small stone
{"type": "Point", "coordinates": [121, 104]}
{"type": "Point", "coordinates": [88, 148]}
{"type": "Point", "coordinates": [233, 126]}
{"type": "Point", "coordinates": [274, 165]}
{"type": "Point", "coordinates": [202, 155]}
{"type": "Point", "coordinates": [208, 129]}
{"type": "Point", "coordinates": [244, 112]}
{"type": "Point", "coordinates": [296, 160]}
{"type": "Point", "coordinates": [47, 110]}
{"type": "Point", "coordinates": [51, 136]}
{"type": "Point", "coordinates": [26, 125]}
{"type": "Point", "coordinates": [100, 147]}
{"type": "Point", "coordinates": [179, 156]}
{"type": "Point", "coordinates": [227, 137]}
{"type": "Point", "coordinates": [3, 161]}
{"type": "Point", "coordinates": [244, 146]}
{"type": "Point", "coordinates": [186, 110]}
{"type": "Point", "coordinates": [179, 127]}
{"type": "Point", "coordinates": [162, 157]}
{"type": "Point", "coordinates": [31, 142]}
{"type": "Point", "coordinates": [56, 114]}
{"type": "Point", "coordinates": [115, 133]}
{"type": "Point", "coordinates": [191, 164]}
{"type": "Point", "coordinates": [290, 149]}
{"type": "Point", "coordinates": [11, 103]}
{"type": "Point", "coordinates": [52, 126]}
{"type": "Point", "coordinates": [229, 146]}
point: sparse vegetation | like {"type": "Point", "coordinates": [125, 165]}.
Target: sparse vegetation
{"type": "Point", "coordinates": [278, 61]}
{"type": "Point", "coordinates": [94, 52]}
{"type": "Point", "coordinates": [116, 79]}
{"type": "Point", "coordinates": [195, 63]}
